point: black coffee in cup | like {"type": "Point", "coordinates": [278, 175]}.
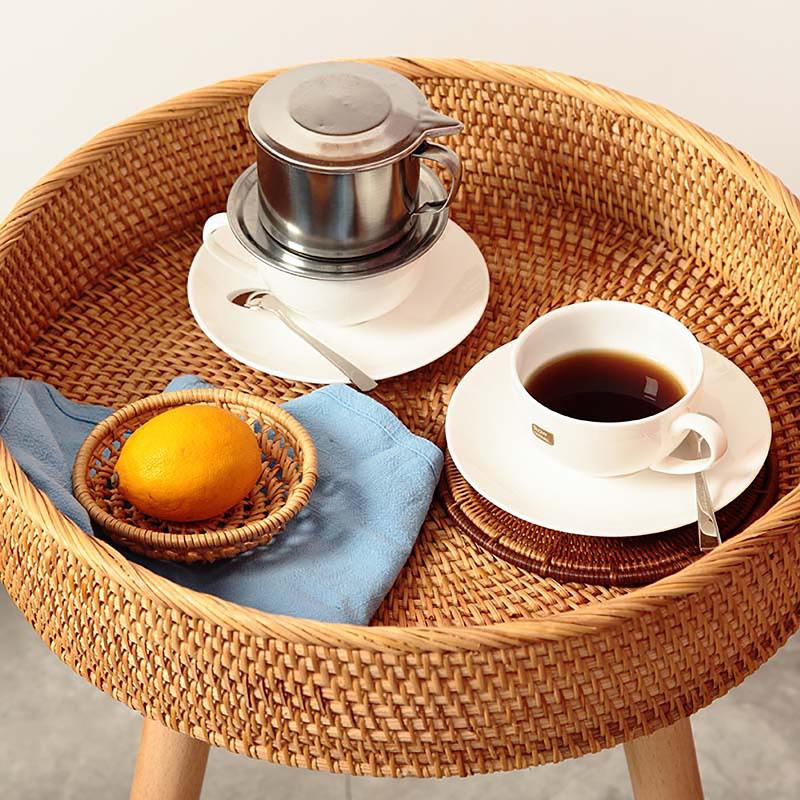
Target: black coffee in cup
{"type": "Point", "coordinates": [604, 386]}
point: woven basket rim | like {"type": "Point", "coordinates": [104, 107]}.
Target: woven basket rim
{"type": "Point", "coordinates": [187, 103]}
{"type": "Point", "coordinates": [234, 535]}
{"type": "Point", "coordinates": [712, 568]}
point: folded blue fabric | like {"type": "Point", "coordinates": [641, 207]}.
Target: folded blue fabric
{"type": "Point", "coordinates": [334, 562]}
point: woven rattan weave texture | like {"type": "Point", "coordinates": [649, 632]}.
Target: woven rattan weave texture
{"type": "Point", "coordinates": [572, 191]}
{"type": "Point", "coordinates": [608, 561]}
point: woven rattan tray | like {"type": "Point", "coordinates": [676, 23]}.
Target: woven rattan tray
{"type": "Point", "coordinates": [571, 191]}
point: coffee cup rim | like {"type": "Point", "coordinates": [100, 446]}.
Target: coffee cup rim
{"type": "Point", "coordinates": [684, 401]}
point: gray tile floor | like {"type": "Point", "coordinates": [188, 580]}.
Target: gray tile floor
{"type": "Point", "coordinates": [62, 739]}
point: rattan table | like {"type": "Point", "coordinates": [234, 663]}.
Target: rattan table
{"type": "Point", "coordinates": [471, 665]}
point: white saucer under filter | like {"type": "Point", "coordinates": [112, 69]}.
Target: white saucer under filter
{"type": "Point", "coordinates": [444, 308]}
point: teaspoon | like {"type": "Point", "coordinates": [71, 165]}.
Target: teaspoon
{"type": "Point", "coordinates": [260, 298]}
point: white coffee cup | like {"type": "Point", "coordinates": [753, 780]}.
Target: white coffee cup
{"type": "Point", "coordinates": [335, 302]}
{"type": "Point", "coordinates": [618, 448]}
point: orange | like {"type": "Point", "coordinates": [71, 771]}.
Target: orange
{"type": "Point", "coordinates": [189, 463]}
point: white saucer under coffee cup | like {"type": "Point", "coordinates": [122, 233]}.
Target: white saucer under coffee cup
{"type": "Point", "coordinates": [617, 448]}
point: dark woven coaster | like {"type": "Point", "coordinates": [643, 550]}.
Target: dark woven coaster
{"type": "Point", "coordinates": [628, 561]}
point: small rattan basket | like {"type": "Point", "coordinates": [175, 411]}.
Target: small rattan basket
{"type": "Point", "coordinates": [289, 472]}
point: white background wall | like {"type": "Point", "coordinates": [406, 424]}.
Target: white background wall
{"type": "Point", "coordinates": [72, 67]}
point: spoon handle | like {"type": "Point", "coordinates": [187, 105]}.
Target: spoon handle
{"type": "Point", "coordinates": [707, 528]}
{"type": "Point", "coordinates": [359, 379]}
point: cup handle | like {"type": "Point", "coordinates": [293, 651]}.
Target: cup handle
{"type": "Point", "coordinates": [447, 157]}
{"type": "Point", "coordinates": [212, 225]}
{"type": "Point", "coordinates": [706, 427]}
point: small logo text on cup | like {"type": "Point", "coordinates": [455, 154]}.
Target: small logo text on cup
{"type": "Point", "coordinates": [542, 434]}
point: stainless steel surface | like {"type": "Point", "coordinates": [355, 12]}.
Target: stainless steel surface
{"type": "Point", "coordinates": [338, 149]}
{"type": "Point", "coordinates": [339, 104]}
{"type": "Point", "coordinates": [344, 215]}
{"type": "Point", "coordinates": [243, 217]}
{"type": "Point", "coordinates": [261, 299]}
{"type": "Point", "coordinates": [448, 159]}
{"type": "Point", "coordinates": [343, 116]}
{"type": "Point", "coordinates": [707, 527]}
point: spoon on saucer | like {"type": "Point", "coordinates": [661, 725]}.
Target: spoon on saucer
{"type": "Point", "coordinates": [707, 528]}
{"type": "Point", "coordinates": [260, 298]}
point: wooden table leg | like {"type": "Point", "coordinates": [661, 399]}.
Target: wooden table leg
{"type": "Point", "coordinates": [663, 766]}
{"type": "Point", "coordinates": [169, 766]}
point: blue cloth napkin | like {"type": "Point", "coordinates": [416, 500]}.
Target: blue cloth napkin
{"type": "Point", "coordinates": [334, 562]}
